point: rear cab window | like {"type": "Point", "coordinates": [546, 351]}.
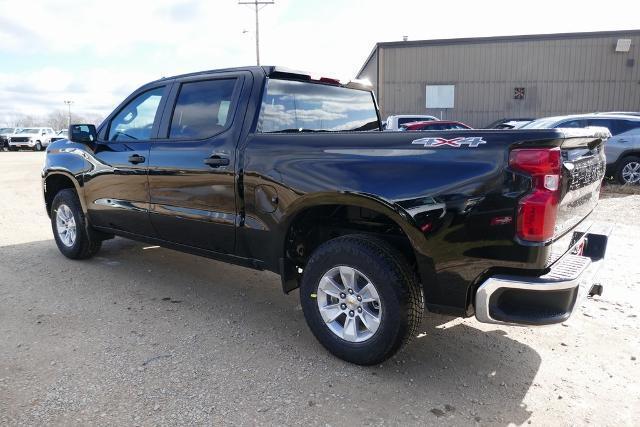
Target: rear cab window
{"type": "Point", "coordinates": [290, 106]}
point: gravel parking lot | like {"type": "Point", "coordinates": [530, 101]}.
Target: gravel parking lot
{"type": "Point", "coordinates": [145, 335]}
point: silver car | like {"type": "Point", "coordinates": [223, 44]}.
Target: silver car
{"type": "Point", "coordinates": [622, 149]}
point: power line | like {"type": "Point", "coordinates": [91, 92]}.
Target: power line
{"type": "Point", "coordinates": [258, 5]}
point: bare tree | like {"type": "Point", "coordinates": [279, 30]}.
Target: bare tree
{"type": "Point", "coordinates": [57, 119]}
{"type": "Point", "coordinates": [28, 120]}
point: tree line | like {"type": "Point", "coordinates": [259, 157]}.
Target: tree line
{"type": "Point", "coordinates": [56, 119]}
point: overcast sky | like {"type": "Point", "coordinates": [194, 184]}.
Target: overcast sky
{"type": "Point", "coordinates": [95, 52]}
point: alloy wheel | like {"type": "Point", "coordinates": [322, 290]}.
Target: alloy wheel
{"type": "Point", "coordinates": [66, 225]}
{"type": "Point", "coordinates": [349, 304]}
{"type": "Point", "coordinates": [631, 173]}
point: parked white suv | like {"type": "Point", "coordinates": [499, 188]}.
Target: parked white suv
{"type": "Point", "coordinates": [396, 122]}
{"type": "Point", "coordinates": [33, 138]}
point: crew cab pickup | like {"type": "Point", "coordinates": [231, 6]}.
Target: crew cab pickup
{"type": "Point", "coordinates": [274, 169]}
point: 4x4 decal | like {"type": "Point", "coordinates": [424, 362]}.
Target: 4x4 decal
{"type": "Point", "coordinates": [473, 142]}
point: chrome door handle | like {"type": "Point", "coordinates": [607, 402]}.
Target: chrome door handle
{"type": "Point", "coordinates": [216, 161]}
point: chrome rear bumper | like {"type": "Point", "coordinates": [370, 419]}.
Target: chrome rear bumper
{"type": "Point", "coordinates": [547, 299]}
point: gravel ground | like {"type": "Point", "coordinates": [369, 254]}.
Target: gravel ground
{"type": "Point", "coordinates": [144, 335]}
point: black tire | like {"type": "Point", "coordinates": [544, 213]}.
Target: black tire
{"type": "Point", "coordinates": [86, 243]}
{"type": "Point", "coordinates": [38, 146]}
{"type": "Point", "coordinates": [623, 163]}
{"type": "Point", "coordinates": [397, 285]}
{"type": "Point", "coordinates": [13, 148]}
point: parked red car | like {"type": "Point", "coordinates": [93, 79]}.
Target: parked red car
{"type": "Point", "coordinates": [435, 125]}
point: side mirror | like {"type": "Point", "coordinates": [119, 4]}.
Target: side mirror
{"type": "Point", "coordinates": [83, 134]}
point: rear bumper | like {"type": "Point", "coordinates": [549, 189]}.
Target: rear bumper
{"type": "Point", "coordinates": [548, 299]}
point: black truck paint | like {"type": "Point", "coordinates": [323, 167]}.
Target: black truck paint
{"type": "Point", "coordinates": [267, 200]}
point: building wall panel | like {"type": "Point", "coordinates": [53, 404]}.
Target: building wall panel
{"type": "Point", "coordinates": [560, 76]}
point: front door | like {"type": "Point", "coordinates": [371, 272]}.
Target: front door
{"type": "Point", "coordinates": [191, 164]}
{"type": "Point", "coordinates": [116, 186]}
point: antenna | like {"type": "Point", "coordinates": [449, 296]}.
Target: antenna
{"type": "Point", "coordinates": [259, 5]}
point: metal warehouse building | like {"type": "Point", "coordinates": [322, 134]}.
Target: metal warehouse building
{"type": "Point", "coordinates": [479, 80]}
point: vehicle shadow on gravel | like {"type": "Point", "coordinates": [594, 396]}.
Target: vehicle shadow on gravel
{"type": "Point", "coordinates": [456, 374]}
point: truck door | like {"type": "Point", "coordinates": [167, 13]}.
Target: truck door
{"type": "Point", "coordinates": [192, 180]}
{"type": "Point", "coordinates": [116, 189]}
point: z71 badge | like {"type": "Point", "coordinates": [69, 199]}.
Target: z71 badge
{"type": "Point", "coordinates": [473, 142]}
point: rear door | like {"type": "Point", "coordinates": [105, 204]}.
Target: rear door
{"type": "Point", "coordinates": [192, 164]}
{"type": "Point", "coordinates": [116, 188]}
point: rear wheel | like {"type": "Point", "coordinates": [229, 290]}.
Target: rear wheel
{"type": "Point", "coordinates": [361, 299]}
{"type": "Point", "coordinates": [74, 238]}
{"type": "Point", "coordinates": [629, 170]}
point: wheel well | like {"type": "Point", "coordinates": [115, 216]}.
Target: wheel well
{"type": "Point", "coordinates": [319, 224]}
{"type": "Point", "coordinates": [628, 154]}
{"type": "Point", "coordinates": [52, 185]}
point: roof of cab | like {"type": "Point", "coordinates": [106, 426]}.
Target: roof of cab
{"type": "Point", "coordinates": [275, 71]}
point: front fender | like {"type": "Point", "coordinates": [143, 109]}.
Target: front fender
{"type": "Point", "coordinates": [65, 159]}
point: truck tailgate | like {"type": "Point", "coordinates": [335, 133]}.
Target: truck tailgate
{"type": "Point", "coordinates": [582, 173]}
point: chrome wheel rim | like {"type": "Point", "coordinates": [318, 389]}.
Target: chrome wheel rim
{"type": "Point", "coordinates": [631, 173]}
{"type": "Point", "coordinates": [66, 225]}
{"type": "Point", "coordinates": [349, 304]}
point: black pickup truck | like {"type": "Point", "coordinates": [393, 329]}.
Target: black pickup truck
{"type": "Point", "coordinates": [274, 169]}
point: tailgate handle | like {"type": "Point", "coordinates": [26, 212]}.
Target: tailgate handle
{"type": "Point", "coordinates": [216, 161]}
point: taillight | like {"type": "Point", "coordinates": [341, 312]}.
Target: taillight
{"type": "Point", "coordinates": [537, 210]}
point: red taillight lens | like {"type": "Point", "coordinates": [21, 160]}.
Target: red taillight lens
{"type": "Point", "coordinates": [537, 210]}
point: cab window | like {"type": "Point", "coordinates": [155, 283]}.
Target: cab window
{"type": "Point", "coordinates": [202, 109]}
{"type": "Point", "coordinates": [135, 121]}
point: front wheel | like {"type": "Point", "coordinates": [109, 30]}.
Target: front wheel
{"type": "Point", "coordinates": [361, 299]}
{"type": "Point", "coordinates": [38, 146]}
{"type": "Point", "coordinates": [629, 170]}
{"type": "Point", "coordinates": [73, 237]}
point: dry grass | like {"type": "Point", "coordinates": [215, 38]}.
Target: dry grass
{"type": "Point", "coordinates": [613, 188]}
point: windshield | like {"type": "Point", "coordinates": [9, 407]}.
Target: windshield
{"type": "Point", "coordinates": [29, 130]}
{"type": "Point", "coordinates": [541, 124]}
{"type": "Point", "coordinates": [63, 132]}
{"type": "Point", "coordinates": [6, 130]}
{"type": "Point", "coordinates": [292, 106]}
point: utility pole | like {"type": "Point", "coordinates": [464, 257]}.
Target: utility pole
{"type": "Point", "coordinates": [69, 113]}
{"type": "Point", "coordinates": [258, 5]}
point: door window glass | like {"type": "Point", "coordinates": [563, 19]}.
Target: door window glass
{"type": "Point", "coordinates": [135, 121]}
{"type": "Point", "coordinates": [202, 109]}
{"type": "Point", "coordinates": [615, 126]}
{"type": "Point", "coordinates": [573, 124]}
